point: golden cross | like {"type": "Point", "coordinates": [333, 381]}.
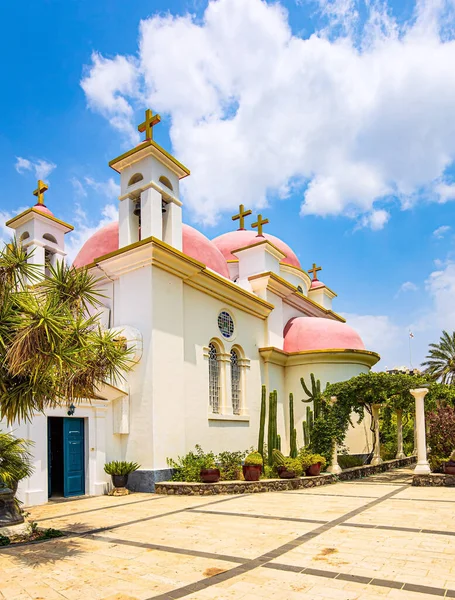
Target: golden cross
{"type": "Point", "coordinates": [148, 124]}
{"type": "Point", "coordinates": [314, 270]}
{"type": "Point", "coordinates": [39, 192]}
{"type": "Point", "coordinates": [259, 223]}
{"type": "Point", "coordinates": [241, 216]}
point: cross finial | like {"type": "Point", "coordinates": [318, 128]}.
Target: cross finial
{"type": "Point", "coordinates": [148, 124]}
{"type": "Point", "coordinates": [241, 216]}
{"type": "Point", "coordinates": [259, 223]}
{"type": "Point", "coordinates": [314, 270]}
{"type": "Point", "coordinates": [39, 192]}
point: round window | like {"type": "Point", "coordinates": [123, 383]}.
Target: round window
{"type": "Point", "coordinates": [225, 324]}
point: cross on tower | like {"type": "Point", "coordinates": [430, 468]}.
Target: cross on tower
{"type": "Point", "coordinates": [259, 223]}
{"type": "Point", "coordinates": [148, 124]}
{"type": "Point", "coordinates": [314, 270]}
{"type": "Point", "coordinates": [39, 192]}
{"type": "Point", "coordinates": [241, 216]}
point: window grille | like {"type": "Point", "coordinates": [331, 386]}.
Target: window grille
{"type": "Point", "coordinates": [225, 324]}
{"type": "Point", "coordinates": [214, 380]}
{"type": "Point", "coordinates": [235, 382]}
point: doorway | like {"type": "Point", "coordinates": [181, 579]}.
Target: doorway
{"type": "Point", "coordinates": [66, 457]}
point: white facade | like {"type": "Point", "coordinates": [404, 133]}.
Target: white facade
{"type": "Point", "coordinates": [167, 304]}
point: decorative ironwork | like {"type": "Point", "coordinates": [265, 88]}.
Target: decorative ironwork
{"type": "Point", "coordinates": [214, 380]}
{"type": "Point", "coordinates": [235, 382]}
{"type": "Point", "coordinates": [225, 324]}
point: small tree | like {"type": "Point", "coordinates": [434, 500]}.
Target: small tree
{"type": "Point", "coordinates": [52, 350]}
{"type": "Point", "coordinates": [440, 363]}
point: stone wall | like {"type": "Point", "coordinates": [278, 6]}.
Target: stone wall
{"type": "Point", "coordinates": [274, 485]}
{"type": "Point", "coordinates": [434, 479]}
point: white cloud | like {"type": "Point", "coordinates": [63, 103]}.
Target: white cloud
{"type": "Point", "coordinates": [84, 228]}
{"type": "Point", "coordinates": [408, 286]}
{"type": "Point", "coordinates": [106, 86]}
{"type": "Point", "coordinates": [445, 192]}
{"type": "Point", "coordinates": [79, 189]}
{"type": "Point", "coordinates": [360, 117]}
{"type": "Point", "coordinates": [440, 232]}
{"type": "Point", "coordinates": [441, 287]}
{"type": "Point", "coordinates": [40, 167]}
{"type": "Point", "coordinates": [5, 232]}
{"type": "Point", "coordinates": [108, 188]}
{"type": "Point", "coordinates": [375, 220]}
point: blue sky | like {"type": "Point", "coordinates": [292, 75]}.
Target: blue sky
{"type": "Point", "coordinates": [333, 119]}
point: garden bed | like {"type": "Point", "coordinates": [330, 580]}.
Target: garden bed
{"type": "Point", "coordinates": [180, 488]}
{"type": "Point", "coordinates": [434, 480]}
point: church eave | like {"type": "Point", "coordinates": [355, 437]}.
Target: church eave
{"type": "Point", "coordinates": [279, 357]}
{"type": "Point", "coordinates": [149, 147]}
{"type": "Point", "coordinates": [33, 211]}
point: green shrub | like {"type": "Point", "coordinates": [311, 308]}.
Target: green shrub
{"type": "Point", "coordinates": [230, 464]}
{"type": "Point", "coordinates": [437, 463]}
{"type": "Point", "coordinates": [16, 459]}
{"type": "Point", "coordinates": [4, 540]}
{"type": "Point", "coordinates": [293, 464]}
{"type": "Point", "coordinates": [347, 461]}
{"type": "Point", "coordinates": [121, 467]}
{"type": "Point", "coordinates": [254, 458]}
{"type": "Point", "coordinates": [307, 459]}
{"type": "Point", "coordinates": [441, 430]}
{"type": "Point", "coordinates": [188, 467]}
{"type": "Point", "coordinates": [278, 458]}
{"type": "Point", "coordinates": [270, 472]}
{"type": "Point", "coordinates": [50, 533]}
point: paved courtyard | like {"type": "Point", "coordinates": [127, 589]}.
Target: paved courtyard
{"type": "Point", "coordinates": [376, 538]}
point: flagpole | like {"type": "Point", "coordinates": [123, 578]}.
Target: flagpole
{"type": "Point", "coordinates": [410, 351]}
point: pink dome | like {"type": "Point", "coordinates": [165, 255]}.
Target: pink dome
{"type": "Point", "coordinates": [233, 240]}
{"type": "Point", "coordinates": [312, 333]}
{"type": "Point", "coordinates": [195, 244]}
{"type": "Point", "coordinates": [43, 209]}
{"type": "Point", "coordinates": [316, 284]}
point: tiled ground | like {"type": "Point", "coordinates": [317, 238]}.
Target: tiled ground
{"type": "Point", "coordinates": [376, 538]}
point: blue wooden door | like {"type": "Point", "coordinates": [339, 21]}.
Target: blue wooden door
{"type": "Point", "coordinates": [73, 457]}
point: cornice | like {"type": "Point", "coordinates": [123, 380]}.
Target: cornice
{"type": "Point", "coordinates": [149, 147]}
{"type": "Point", "coordinates": [33, 211]}
{"type": "Point", "coordinates": [291, 295]}
{"type": "Point", "coordinates": [195, 274]}
{"type": "Point", "coordinates": [296, 271]}
{"type": "Point", "coordinates": [269, 247]}
{"type": "Point", "coordinates": [279, 357]}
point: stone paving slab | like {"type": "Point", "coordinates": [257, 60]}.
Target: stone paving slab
{"type": "Point", "coordinates": [367, 539]}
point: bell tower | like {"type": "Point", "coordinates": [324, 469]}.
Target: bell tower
{"type": "Point", "coordinates": [40, 232]}
{"type": "Point", "coordinates": [149, 191]}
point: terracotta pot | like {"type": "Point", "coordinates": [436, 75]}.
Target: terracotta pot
{"type": "Point", "coordinates": [252, 472]}
{"type": "Point", "coordinates": [119, 481]}
{"type": "Point", "coordinates": [449, 468]}
{"type": "Point", "coordinates": [210, 475]}
{"type": "Point", "coordinates": [314, 470]}
{"type": "Point", "coordinates": [285, 474]}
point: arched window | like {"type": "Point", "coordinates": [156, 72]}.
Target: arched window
{"type": "Point", "coordinates": [165, 181]}
{"type": "Point", "coordinates": [214, 379]}
{"type": "Point", "coordinates": [235, 382]}
{"type": "Point", "coordinates": [49, 238]}
{"type": "Point", "coordinates": [135, 179]}
{"type": "Point", "coordinates": [24, 236]}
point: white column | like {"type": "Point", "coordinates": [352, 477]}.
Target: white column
{"type": "Point", "coordinates": [151, 214]}
{"type": "Point", "coordinates": [400, 451]}
{"type": "Point", "coordinates": [422, 466]}
{"type": "Point", "coordinates": [414, 451]}
{"type": "Point", "coordinates": [172, 225]}
{"type": "Point", "coordinates": [225, 384]}
{"type": "Point", "coordinates": [36, 258]}
{"type": "Point", "coordinates": [100, 479]}
{"type": "Point", "coordinates": [334, 466]}
{"type": "Point", "coordinates": [128, 223]}
{"type": "Point", "coordinates": [377, 460]}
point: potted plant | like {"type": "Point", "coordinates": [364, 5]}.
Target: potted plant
{"type": "Point", "coordinates": [119, 471]}
{"type": "Point", "coordinates": [15, 460]}
{"type": "Point", "coordinates": [252, 467]}
{"type": "Point", "coordinates": [449, 466]}
{"type": "Point", "coordinates": [317, 462]}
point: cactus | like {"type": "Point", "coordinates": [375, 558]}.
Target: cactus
{"type": "Point", "coordinates": [278, 441]}
{"type": "Point", "coordinates": [262, 422]}
{"type": "Point", "coordinates": [278, 458]}
{"type": "Point", "coordinates": [272, 439]}
{"type": "Point", "coordinates": [292, 429]}
{"type": "Point", "coordinates": [314, 396]}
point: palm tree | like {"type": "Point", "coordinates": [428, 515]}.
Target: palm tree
{"type": "Point", "coordinates": [440, 363]}
{"type": "Point", "coordinates": [52, 348]}
{"type": "Point", "coordinates": [15, 460]}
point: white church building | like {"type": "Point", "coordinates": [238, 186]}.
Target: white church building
{"type": "Point", "coordinates": [210, 322]}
